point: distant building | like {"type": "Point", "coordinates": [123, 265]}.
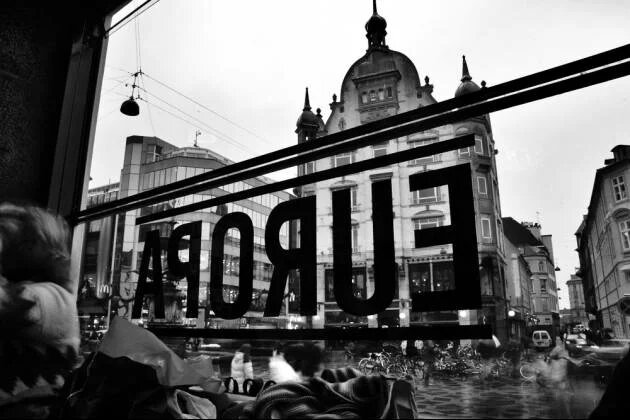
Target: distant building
{"type": "Point", "coordinates": [380, 84]}
{"type": "Point", "coordinates": [603, 240]}
{"type": "Point", "coordinates": [95, 286]}
{"type": "Point", "coordinates": [537, 250]}
{"type": "Point", "coordinates": [150, 162]}
{"type": "Point", "coordinates": [576, 300]}
{"type": "Point", "coordinates": [518, 278]}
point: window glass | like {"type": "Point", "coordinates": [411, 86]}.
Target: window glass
{"type": "Point", "coordinates": [309, 168]}
{"type": "Point", "coordinates": [428, 195]}
{"type": "Point", "coordinates": [479, 145]}
{"type": "Point", "coordinates": [379, 149]}
{"type": "Point", "coordinates": [427, 222]}
{"type": "Point", "coordinates": [619, 188]}
{"type": "Point", "coordinates": [424, 160]}
{"type": "Point", "coordinates": [486, 231]}
{"type": "Point", "coordinates": [624, 229]}
{"type": "Point", "coordinates": [193, 118]}
{"type": "Point", "coordinates": [355, 238]}
{"type": "Point", "coordinates": [482, 187]}
{"type": "Point", "coordinates": [343, 159]}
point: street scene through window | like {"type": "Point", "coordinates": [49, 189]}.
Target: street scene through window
{"type": "Point", "coordinates": [271, 200]}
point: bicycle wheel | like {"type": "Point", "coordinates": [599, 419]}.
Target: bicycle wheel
{"type": "Point", "coordinates": [397, 369]}
{"type": "Point", "coordinates": [366, 366]}
{"type": "Point", "coordinates": [528, 372]}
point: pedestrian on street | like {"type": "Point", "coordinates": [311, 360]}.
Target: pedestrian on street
{"type": "Point", "coordinates": [242, 367]}
{"type": "Point", "coordinates": [305, 358]}
{"type": "Point", "coordinates": [558, 379]}
{"type": "Point", "coordinates": [513, 353]}
{"type": "Point", "coordinates": [429, 352]}
{"type": "Point", "coordinates": [525, 345]}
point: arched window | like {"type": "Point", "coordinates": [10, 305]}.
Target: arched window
{"type": "Point", "coordinates": [427, 222]}
{"type": "Point", "coordinates": [427, 219]}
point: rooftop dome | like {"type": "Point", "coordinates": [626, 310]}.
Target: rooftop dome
{"type": "Point", "coordinates": [307, 117]}
{"type": "Point", "coordinates": [467, 85]}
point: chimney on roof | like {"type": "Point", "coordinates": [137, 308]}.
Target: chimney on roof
{"type": "Point", "coordinates": [620, 152]}
{"type": "Point", "coordinates": [534, 229]}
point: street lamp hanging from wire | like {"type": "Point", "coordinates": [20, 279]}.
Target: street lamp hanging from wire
{"type": "Point", "coordinates": [130, 107]}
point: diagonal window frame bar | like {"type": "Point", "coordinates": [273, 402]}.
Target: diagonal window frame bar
{"type": "Point", "coordinates": [343, 141]}
{"type": "Point", "coordinates": [563, 86]}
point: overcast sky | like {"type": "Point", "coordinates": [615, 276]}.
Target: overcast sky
{"type": "Point", "coordinates": [249, 61]}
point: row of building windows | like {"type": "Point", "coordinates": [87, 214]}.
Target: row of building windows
{"type": "Point", "coordinates": [376, 95]}
{"type": "Point", "coordinates": [169, 175]}
{"type": "Point", "coordinates": [423, 278]}
{"type": "Point", "coordinates": [380, 149]}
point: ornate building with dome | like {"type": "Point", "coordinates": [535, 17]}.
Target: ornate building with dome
{"type": "Point", "coordinates": [380, 84]}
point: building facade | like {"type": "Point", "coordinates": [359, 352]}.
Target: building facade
{"type": "Point", "coordinates": [150, 162]}
{"type": "Point", "coordinates": [604, 246]}
{"type": "Point", "coordinates": [518, 279]}
{"type": "Point", "coordinates": [537, 251]}
{"type": "Point", "coordinates": [544, 286]}
{"type": "Point", "coordinates": [576, 301]}
{"type": "Point", "coordinates": [382, 83]}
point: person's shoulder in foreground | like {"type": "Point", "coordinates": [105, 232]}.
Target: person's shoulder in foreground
{"type": "Point", "coordinates": [39, 332]}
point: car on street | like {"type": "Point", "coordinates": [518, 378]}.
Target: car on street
{"type": "Point", "coordinates": [541, 339]}
{"type": "Point", "coordinates": [612, 350]}
{"type": "Point", "coordinates": [576, 344]}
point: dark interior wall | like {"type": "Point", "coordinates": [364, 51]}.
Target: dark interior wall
{"type": "Point", "coordinates": [35, 45]}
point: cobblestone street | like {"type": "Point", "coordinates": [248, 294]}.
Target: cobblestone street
{"type": "Point", "coordinates": [502, 398]}
{"type": "Point", "coordinates": [472, 397]}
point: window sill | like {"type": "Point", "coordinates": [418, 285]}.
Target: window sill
{"type": "Point", "coordinates": [428, 203]}
{"type": "Point", "coordinates": [425, 163]}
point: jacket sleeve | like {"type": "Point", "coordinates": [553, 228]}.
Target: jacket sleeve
{"type": "Point", "coordinates": [248, 370]}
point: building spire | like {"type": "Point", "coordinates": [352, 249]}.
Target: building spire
{"type": "Point", "coordinates": [375, 28]}
{"type": "Point", "coordinates": [465, 74]}
{"type": "Point", "coordinates": [307, 103]}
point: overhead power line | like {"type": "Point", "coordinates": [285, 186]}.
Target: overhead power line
{"type": "Point", "coordinates": [141, 81]}
{"type": "Point", "coordinates": [215, 131]}
{"type": "Point", "coordinates": [207, 109]}
{"type": "Point", "coordinates": [200, 123]}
